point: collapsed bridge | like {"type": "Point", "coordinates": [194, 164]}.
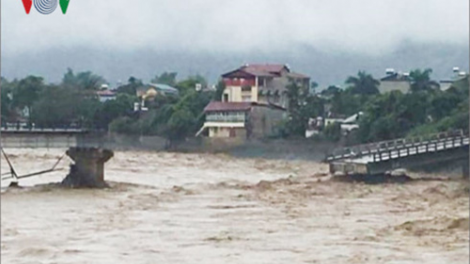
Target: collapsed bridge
{"type": "Point", "coordinates": [386, 156]}
{"type": "Point", "coordinates": [86, 148]}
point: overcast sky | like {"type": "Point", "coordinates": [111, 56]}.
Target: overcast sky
{"type": "Point", "coordinates": [362, 26]}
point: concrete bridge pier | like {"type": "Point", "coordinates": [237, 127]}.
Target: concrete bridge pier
{"type": "Point", "coordinates": [88, 170]}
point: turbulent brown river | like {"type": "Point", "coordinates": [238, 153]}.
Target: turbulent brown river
{"type": "Point", "coordinates": [203, 208]}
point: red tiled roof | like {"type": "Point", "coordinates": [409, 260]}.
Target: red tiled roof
{"type": "Point", "coordinates": [259, 73]}
{"type": "Point", "coordinates": [105, 93]}
{"type": "Point", "coordinates": [264, 68]}
{"type": "Point", "coordinates": [227, 106]}
{"type": "Point", "coordinates": [237, 106]}
{"type": "Point", "coordinates": [297, 75]}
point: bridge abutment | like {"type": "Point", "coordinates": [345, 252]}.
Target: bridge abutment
{"type": "Point", "coordinates": [88, 170]}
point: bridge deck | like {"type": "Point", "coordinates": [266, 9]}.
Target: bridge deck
{"type": "Point", "coordinates": [43, 130]}
{"type": "Point", "coordinates": [51, 138]}
{"type": "Point", "coordinates": [401, 156]}
{"type": "Point", "coordinates": [384, 146]}
{"type": "Point", "coordinates": [408, 150]}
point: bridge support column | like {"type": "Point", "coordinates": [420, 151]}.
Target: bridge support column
{"type": "Point", "coordinates": [88, 170]}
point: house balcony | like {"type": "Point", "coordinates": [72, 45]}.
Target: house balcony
{"type": "Point", "coordinates": [220, 125]}
{"type": "Point", "coordinates": [225, 119]}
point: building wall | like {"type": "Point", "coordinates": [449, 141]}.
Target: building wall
{"type": "Point", "coordinates": [330, 121]}
{"type": "Point", "coordinates": [278, 100]}
{"type": "Point", "coordinates": [226, 117]}
{"type": "Point", "coordinates": [106, 98]}
{"type": "Point", "coordinates": [227, 132]}
{"type": "Point", "coordinates": [388, 86]}
{"type": "Point", "coordinates": [445, 86]}
{"type": "Point", "coordinates": [235, 94]}
{"type": "Point", "coordinates": [263, 120]}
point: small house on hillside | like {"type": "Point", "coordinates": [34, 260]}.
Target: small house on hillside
{"type": "Point", "coordinates": [395, 81]}
{"type": "Point", "coordinates": [106, 95]}
{"type": "Point", "coordinates": [454, 80]}
{"type": "Point", "coordinates": [151, 90]}
{"type": "Point", "coordinates": [347, 124]}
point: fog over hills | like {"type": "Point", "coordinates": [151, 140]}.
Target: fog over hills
{"type": "Point", "coordinates": [326, 39]}
{"type": "Point", "coordinates": [324, 67]}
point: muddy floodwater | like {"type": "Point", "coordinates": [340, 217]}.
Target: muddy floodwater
{"type": "Point", "coordinates": [203, 208]}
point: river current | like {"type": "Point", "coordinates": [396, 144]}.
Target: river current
{"type": "Point", "coordinates": [206, 208]}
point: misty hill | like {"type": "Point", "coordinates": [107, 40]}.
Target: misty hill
{"type": "Point", "coordinates": [324, 68]}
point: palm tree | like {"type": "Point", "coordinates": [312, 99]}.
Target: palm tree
{"type": "Point", "coordinates": [27, 92]}
{"type": "Point", "coordinates": [421, 81]}
{"type": "Point", "coordinates": [363, 84]}
{"type": "Point", "coordinates": [83, 81]}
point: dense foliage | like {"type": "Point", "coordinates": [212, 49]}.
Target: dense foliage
{"type": "Point", "coordinates": [75, 102]}
{"type": "Point", "coordinates": [424, 109]}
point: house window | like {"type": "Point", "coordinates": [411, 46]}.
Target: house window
{"type": "Point", "coordinates": [225, 99]}
{"type": "Point", "coordinates": [246, 89]}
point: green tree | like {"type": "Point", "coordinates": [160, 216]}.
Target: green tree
{"type": "Point", "coordinates": [448, 110]}
{"type": "Point", "coordinates": [363, 84]}
{"type": "Point", "coordinates": [346, 103]}
{"type": "Point", "coordinates": [131, 87]}
{"type": "Point", "coordinates": [331, 91]}
{"type": "Point", "coordinates": [302, 106]}
{"type": "Point", "coordinates": [112, 109]}
{"type": "Point", "coordinates": [421, 81]}
{"type": "Point", "coordinates": [219, 90]}
{"type": "Point", "coordinates": [180, 125]}
{"type": "Point", "coordinates": [88, 108]}
{"type": "Point", "coordinates": [176, 120]}
{"type": "Point", "coordinates": [6, 99]}
{"type": "Point", "coordinates": [313, 87]}
{"type": "Point", "coordinates": [190, 83]}
{"type": "Point", "coordinates": [85, 81]}
{"type": "Point", "coordinates": [55, 107]}
{"type": "Point", "coordinates": [392, 115]}
{"type": "Point", "coordinates": [124, 125]}
{"type": "Point", "coordinates": [333, 132]}
{"type": "Point", "coordinates": [168, 78]}
{"type": "Point", "coordinates": [27, 92]}
{"type": "Point", "coordinates": [441, 104]}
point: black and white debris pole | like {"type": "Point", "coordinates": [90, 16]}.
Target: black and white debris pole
{"type": "Point", "coordinates": [12, 174]}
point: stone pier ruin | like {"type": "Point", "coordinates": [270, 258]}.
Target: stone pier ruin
{"type": "Point", "coordinates": [88, 170]}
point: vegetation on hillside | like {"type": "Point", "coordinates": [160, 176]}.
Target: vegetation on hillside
{"type": "Point", "coordinates": [74, 101]}
{"type": "Point", "coordinates": [425, 109]}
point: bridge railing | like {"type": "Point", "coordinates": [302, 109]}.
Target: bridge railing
{"type": "Point", "coordinates": [54, 139]}
{"type": "Point", "coordinates": [426, 147]}
{"type": "Point", "coordinates": [42, 130]}
{"type": "Point", "coordinates": [371, 148]}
